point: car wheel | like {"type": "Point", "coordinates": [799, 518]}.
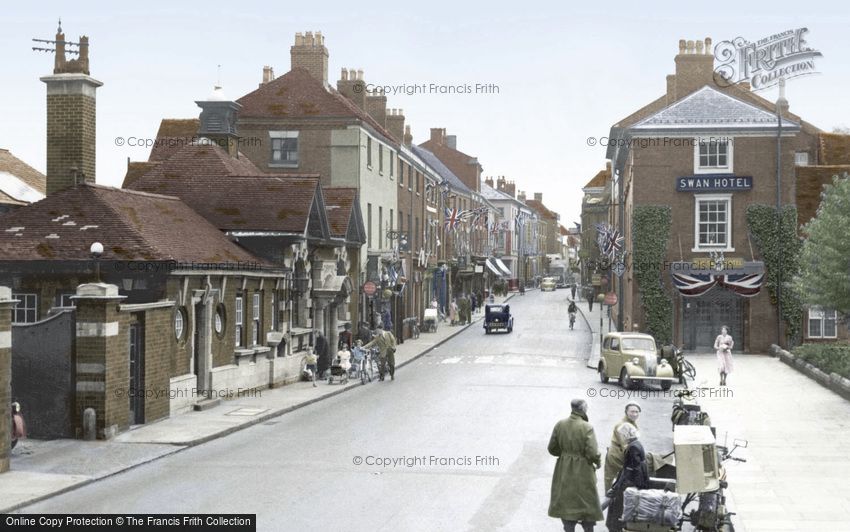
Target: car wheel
{"type": "Point", "coordinates": [625, 381]}
{"type": "Point", "coordinates": [665, 385]}
{"type": "Point", "coordinates": [602, 375]}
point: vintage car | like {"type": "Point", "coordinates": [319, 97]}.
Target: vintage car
{"type": "Point", "coordinates": [498, 317]}
{"type": "Point", "coordinates": [549, 284]}
{"type": "Point", "coordinates": [633, 358]}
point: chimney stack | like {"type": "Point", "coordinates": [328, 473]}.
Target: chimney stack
{"type": "Point", "coordinates": [438, 135]}
{"type": "Point", "coordinates": [489, 182]}
{"type": "Point", "coordinates": [782, 102]}
{"type": "Point", "coordinates": [694, 68]}
{"type": "Point", "coordinates": [376, 106]}
{"type": "Point", "coordinates": [408, 138]}
{"type": "Point", "coordinates": [268, 75]}
{"type": "Point", "coordinates": [395, 124]}
{"type": "Point", "coordinates": [71, 117]}
{"type": "Point", "coordinates": [352, 86]}
{"type": "Point", "coordinates": [538, 196]}
{"type": "Point", "coordinates": [309, 52]}
{"type": "Point", "coordinates": [451, 141]}
{"type": "Point", "coordinates": [521, 196]}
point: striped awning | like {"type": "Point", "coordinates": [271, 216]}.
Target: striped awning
{"type": "Point", "coordinates": [491, 265]}
{"type": "Point", "coordinates": [505, 270]}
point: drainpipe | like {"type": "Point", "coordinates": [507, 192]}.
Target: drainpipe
{"type": "Point", "coordinates": [779, 210]}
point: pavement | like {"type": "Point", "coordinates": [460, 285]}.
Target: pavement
{"type": "Point", "coordinates": [41, 469]}
{"type": "Point", "coordinates": [597, 320]}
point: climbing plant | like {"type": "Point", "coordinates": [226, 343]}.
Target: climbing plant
{"type": "Point", "coordinates": [779, 247]}
{"type": "Point", "coordinates": [651, 231]}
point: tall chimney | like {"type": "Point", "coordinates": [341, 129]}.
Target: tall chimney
{"type": "Point", "coordinates": [451, 141]}
{"type": "Point", "coordinates": [408, 137]}
{"type": "Point", "coordinates": [309, 52]}
{"type": "Point", "coordinates": [521, 196]}
{"type": "Point", "coordinates": [510, 189]}
{"type": "Point", "coordinates": [395, 124]}
{"type": "Point", "coordinates": [438, 135]}
{"type": "Point", "coordinates": [352, 86]}
{"type": "Point", "coordinates": [489, 182]}
{"type": "Point", "coordinates": [538, 196]}
{"type": "Point", "coordinates": [694, 67]}
{"type": "Point", "coordinates": [376, 106]}
{"type": "Point", "coordinates": [268, 75]}
{"type": "Point", "coordinates": [71, 117]}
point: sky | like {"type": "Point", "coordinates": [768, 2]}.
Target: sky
{"type": "Point", "coordinates": [563, 71]}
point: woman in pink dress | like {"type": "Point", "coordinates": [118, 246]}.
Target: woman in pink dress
{"type": "Point", "coordinates": [723, 344]}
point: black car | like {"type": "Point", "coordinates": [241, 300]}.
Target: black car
{"type": "Point", "coordinates": [498, 317]}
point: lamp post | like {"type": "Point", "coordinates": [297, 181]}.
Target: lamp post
{"type": "Point", "coordinates": [400, 242]}
{"type": "Point", "coordinates": [96, 251]}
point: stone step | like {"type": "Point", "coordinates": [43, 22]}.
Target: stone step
{"type": "Point", "coordinates": [206, 404]}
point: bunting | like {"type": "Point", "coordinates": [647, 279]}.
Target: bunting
{"type": "Point", "coordinates": [696, 284]}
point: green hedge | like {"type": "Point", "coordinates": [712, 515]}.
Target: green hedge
{"type": "Point", "coordinates": [650, 232]}
{"type": "Point", "coordinates": [829, 358]}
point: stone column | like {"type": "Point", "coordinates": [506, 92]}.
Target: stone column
{"type": "Point", "coordinates": [333, 326]}
{"type": "Point", "coordinates": [6, 306]}
{"type": "Point", "coordinates": [103, 365]}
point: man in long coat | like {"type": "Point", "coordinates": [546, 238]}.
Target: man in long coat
{"type": "Point", "coordinates": [574, 497]}
{"type": "Point", "coordinates": [321, 347]}
{"type": "Point", "coordinates": [617, 451]}
{"type": "Point", "coordinates": [386, 344]}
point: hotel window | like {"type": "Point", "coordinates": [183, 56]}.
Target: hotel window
{"type": "Point", "coordinates": [713, 155]}
{"type": "Point", "coordinates": [801, 158]}
{"type": "Point", "coordinates": [26, 309]}
{"type": "Point", "coordinates": [713, 224]}
{"type": "Point", "coordinates": [255, 318]}
{"type": "Point", "coordinates": [369, 152]}
{"type": "Point", "coordinates": [822, 323]}
{"type": "Point", "coordinates": [284, 148]}
{"type": "Point", "coordinates": [239, 321]}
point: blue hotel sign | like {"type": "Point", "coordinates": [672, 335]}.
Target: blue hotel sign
{"type": "Point", "coordinates": [713, 183]}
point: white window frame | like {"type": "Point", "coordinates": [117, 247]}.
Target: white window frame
{"type": "Point", "coordinates": [285, 163]}
{"type": "Point", "coordinates": [819, 314]}
{"type": "Point", "coordinates": [801, 158]}
{"type": "Point", "coordinates": [239, 320]}
{"type": "Point", "coordinates": [256, 301]}
{"type": "Point", "coordinates": [700, 198]}
{"type": "Point", "coordinates": [65, 300]}
{"type": "Point", "coordinates": [728, 169]}
{"type": "Point", "coordinates": [27, 302]}
{"type": "Point", "coordinates": [179, 324]}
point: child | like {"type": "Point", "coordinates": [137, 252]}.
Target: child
{"type": "Point", "coordinates": [312, 366]}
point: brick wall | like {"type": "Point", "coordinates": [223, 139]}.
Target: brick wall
{"type": "Point", "coordinates": [160, 343]}
{"type": "Point", "coordinates": [5, 375]}
{"type": "Point", "coordinates": [70, 139]}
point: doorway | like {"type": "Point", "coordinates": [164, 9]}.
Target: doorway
{"type": "Point", "coordinates": [137, 372]}
{"type": "Point", "coordinates": [703, 317]}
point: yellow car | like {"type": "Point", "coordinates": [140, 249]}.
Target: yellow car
{"type": "Point", "coordinates": [633, 358]}
{"type": "Point", "coordinates": [548, 284]}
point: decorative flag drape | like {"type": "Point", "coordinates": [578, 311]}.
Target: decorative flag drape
{"type": "Point", "coordinates": [697, 284]}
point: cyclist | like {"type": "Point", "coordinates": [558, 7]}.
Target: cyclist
{"type": "Point", "coordinates": [572, 310]}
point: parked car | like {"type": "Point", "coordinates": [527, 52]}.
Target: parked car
{"type": "Point", "coordinates": [498, 317]}
{"type": "Point", "coordinates": [633, 358]}
{"type": "Point", "coordinates": [548, 285]}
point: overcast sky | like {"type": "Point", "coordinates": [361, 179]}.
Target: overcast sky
{"type": "Point", "coordinates": [565, 71]}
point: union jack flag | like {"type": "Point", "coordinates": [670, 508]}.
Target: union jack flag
{"type": "Point", "coordinates": [452, 218]}
{"type": "Point", "coordinates": [608, 239]}
{"type": "Point", "coordinates": [696, 284]}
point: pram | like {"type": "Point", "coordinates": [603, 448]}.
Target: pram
{"type": "Point", "coordinates": [339, 370]}
{"type": "Point", "coordinates": [430, 318]}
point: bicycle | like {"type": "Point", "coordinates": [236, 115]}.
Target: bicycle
{"type": "Point", "coordinates": [365, 367]}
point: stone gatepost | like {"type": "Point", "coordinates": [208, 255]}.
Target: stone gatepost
{"type": "Point", "coordinates": [6, 306]}
{"type": "Point", "coordinates": [103, 366]}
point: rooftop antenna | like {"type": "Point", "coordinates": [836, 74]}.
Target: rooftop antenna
{"type": "Point", "coordinates": [46, 41]}
{"type": "Point", "coordinates": [218, 78]}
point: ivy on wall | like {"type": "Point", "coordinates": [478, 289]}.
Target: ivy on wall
{"type": "Point", "coordinates": [770, 238]}
{"type": "Point", "coordinates": [651, 231]}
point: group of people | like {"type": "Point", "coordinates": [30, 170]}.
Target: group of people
{"type": "Point", "coordinates": [462, 308]}
{"type": "Point", "coordinates": [352, 352]}
{"type": "Point", "coordinates": [574, 497]}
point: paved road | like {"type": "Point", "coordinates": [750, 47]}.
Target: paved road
{"type": "Point", "coordinates": [463, 433]}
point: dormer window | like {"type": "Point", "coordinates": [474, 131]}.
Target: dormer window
{"type": "Point", "coordinates": [284, 148]}
{"type": "Point", "coordinates": [713, 155]}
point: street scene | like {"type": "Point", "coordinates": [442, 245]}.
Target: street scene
{"type": "Point", "coordinates": [267, 269]}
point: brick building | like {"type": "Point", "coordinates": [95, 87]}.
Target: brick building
{"type": "Point", "coordinates": [708, 151]}
{"type": "Point", "coordinates": [595, 205]}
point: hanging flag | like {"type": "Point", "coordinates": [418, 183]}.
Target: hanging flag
{"type": "Point", "coordinates": [452, 218]}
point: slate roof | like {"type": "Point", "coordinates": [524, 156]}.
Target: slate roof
{"type": "Point", "coordinates": [173, 134]}
{"type": "Point", "coordinates": [131, 225]}
{"type": "Point", "coordinates": [711, 109]}
{"type": "Point", "coordinates": [442, 170]}
{"type": "Point", "coordinates": [493, 194]}
{"type": "Point", "coordinates": [297, 94]}
{"type": "Point", "coordinates": [20, 183]}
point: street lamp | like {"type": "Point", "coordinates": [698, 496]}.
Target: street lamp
{"type": "Point", "coordinates": [96, 251]}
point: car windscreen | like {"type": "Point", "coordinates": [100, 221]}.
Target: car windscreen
{"type": "Point", "coordinates": [638, 344]}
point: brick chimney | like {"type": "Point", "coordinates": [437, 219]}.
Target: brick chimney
{"type": "Point", "coordinates": [489, 182]}
{"type": "Point", "coordinates": [395, 124]}
{"type": "Point", "coordinates": [218, 120]}
{"type": "Point", "coordinates": [438, 135]}
{"type": "Point", "coordinates": [376, 106]}
{"type": "Point", "coordinates": [309, 52]}
{"type": "Point", "coordinates": [521, 196]}
{"type": "Point", "coordinates": [408, 137]}
{"type": "Point", "coordinates": [508, 187]}
{"type": "Point", "coordinates": [538, 196]}
{"type": "Point", "coordinates": [352, 86]}
{"type": "Point", "coordinates": [451, 141]}
{"type": "Point", "coordinates": [694, 68]}
{"type": "Point", "coordinates": [71, 117]}
{"type": "Point", "coordinates": [268, 75]}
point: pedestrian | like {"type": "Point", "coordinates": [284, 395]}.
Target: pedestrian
{"type": "Point", "coordinates": [573, 291]}
{"type": "Point", "coordinates": [723, 344]}
{"type": "Point", "coordinates": [358, 356]}
{"type": "Point", "coordinates": [343, 358]}
{"type": "Point", "coordinates": [574, 498]}
{"type": "Point", "coordinates": [634, 473]}
{"type": "Point", "coordinates": [453, 312]}
{"type": "Point", "coordinates": [616, 452]}
{"type": "Point", "coordinates": [464, 310]}
{"type": "Point", "coordinates": [310, 366]}
{"type": "Point", "coordinates": [321, 347]}
{"type": "Point", "coordinates": [386, 344]}
{"type": "Point", "coordinates": [590, 298]}
{"type": "Point", "coordinates": [473, 301]}
{"type": "Point", "coordinates": [345, 337]}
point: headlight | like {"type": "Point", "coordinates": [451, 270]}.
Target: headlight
{"type": "Point", "coordinates": [663, 361]}
{"type": "Point", "coordinates": [636, 361]}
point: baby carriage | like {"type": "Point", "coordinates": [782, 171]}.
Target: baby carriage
{"type": "Point", "coordinates": [340, 367]}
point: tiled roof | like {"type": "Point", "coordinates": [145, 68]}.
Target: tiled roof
{"type": "Point", "coordinates": [339, 202]}
{"type": "Point", "coordinates": [599, 180]}
{"type": "Point", "coordinates": [710, 108]}
{"type": "Point", "coordinates": [442, 170]}
{"type": "Point", "coordinates": [173, 134]}
{"type": "Point", "coordinates": [810, 182]}
{"type": "Point", "coordinates": [297, 94]}
{"type": "Point", "coordinates": [131, 225]}
{"type": "Point", "coordinates": [539, 207]}
{"type": "Point", "coordinates": [193, 160]}
{"type": "Point", "coordinates": [26, 183]}
{"type": "Point", "coordinates": [834, 148]}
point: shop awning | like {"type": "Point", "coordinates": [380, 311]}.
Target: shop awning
{"type": "Point", "coordinates": [491, 265]}
{"type": "Point", "coordinates": [505, 270]}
